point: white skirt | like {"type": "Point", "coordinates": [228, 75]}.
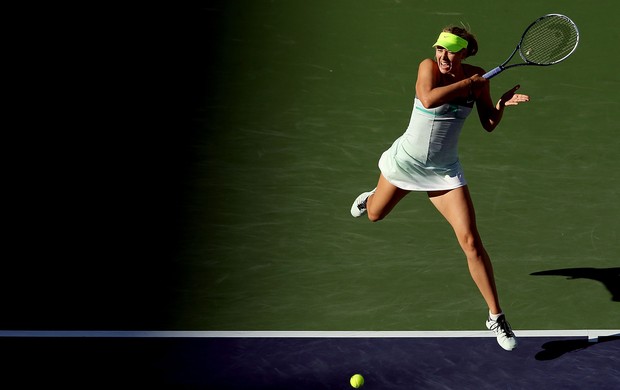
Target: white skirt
{"type": "Point", "coordinates": [405, 172]}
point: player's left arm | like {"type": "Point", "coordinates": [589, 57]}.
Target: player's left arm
{"type": "Point", "coordinates": [491, 114]}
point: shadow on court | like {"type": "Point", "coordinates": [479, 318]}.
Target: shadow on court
{"type": "Point", "coordinates": [610, 277]}
{"type": "Point", "coordinates": [557, 348]}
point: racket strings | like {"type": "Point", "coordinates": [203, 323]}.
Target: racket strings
{"type": "Point", "coordinates": [549, 40]}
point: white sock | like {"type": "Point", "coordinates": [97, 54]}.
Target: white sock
{"type": "Point", "coordinates": [494, 317]}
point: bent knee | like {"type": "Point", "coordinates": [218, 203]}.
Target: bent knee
{"type": "Point", "coordinates": [374, 217]}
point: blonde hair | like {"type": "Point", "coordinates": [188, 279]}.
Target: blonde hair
{"type": "Point", "coordinates": [472, 43]}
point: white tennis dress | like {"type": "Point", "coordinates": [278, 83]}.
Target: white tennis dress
{"type": "Point", "coordinates": [425, 157]}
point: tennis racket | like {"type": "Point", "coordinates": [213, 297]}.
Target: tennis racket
{"type": "Point", "coordinates": [550, 39]}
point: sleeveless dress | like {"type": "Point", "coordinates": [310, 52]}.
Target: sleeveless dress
{"type": "Point", "coordinates": [425, 157]}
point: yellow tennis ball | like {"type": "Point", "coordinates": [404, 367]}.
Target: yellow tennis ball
{"type": "Point", "coordinates": [357, 381]}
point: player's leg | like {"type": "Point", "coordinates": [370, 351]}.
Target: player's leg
{"type": "Point", "coordinates": [379, 202]}
{"type": "Point", "coordinates": [456, 206]}
{"type": "Point", "coordinates": [385, 198]}
{"type": "Point", "coordinates": [458, 209]}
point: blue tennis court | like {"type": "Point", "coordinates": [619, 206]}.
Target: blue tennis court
{"type": "Point", "coordinates": [281, 360]}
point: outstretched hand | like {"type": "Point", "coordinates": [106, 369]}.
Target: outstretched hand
{"type": "Point", "coordinates": [510, 98]}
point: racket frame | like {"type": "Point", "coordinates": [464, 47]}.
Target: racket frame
{"type": "Point", "coordinates": [497, 70]}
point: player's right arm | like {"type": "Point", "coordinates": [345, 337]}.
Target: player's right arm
{"type": "Point", "coordinates": [432, 93]}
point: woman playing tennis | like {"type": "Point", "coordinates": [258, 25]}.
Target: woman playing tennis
{"type": "Point", "coordinates": [425, 157]}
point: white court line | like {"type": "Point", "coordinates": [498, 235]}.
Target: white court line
{"type": "Point", "coordinates": [589, 333]}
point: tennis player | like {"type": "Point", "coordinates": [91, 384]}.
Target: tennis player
{"type": "Point", "coordinates": [425, 157]}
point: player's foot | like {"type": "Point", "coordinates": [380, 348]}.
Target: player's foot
{"type": "Point", "coordinates": [505, 337]}
{"type": "Point", "coordinates": [359, 206]}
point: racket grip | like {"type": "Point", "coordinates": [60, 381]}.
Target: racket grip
{"type": "Point", "coordinates": [493, 72]}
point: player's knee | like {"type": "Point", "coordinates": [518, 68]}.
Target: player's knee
{"type": "Point", "coordinates": [471, 244]}
{"type": "Point", "coordinates": [374, 217]}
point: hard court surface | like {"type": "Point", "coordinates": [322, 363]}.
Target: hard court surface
{"type": "Point", "coordinates": [200, 175]}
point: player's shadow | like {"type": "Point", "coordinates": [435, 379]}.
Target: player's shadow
{"type": "Point", "coordinates": [610, 277]}
{"type": "Point", "coordinates": [555, 349]}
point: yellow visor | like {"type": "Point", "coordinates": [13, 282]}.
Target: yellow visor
{"type": "Point", "coordinates": [452, 42]}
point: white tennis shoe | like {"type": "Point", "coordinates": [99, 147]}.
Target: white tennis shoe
{"type": "Point", "coordinates": [359, 206]}
{"type": "Point", "coordinates": [505, 337]}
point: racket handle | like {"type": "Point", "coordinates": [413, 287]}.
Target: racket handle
{"type": "Point", "coordinates": [493, 72]}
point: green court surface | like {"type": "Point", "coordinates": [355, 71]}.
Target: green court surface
{"type": "Point", "coordinates": [284, 108]}
{"type": "Point", "coordinates": [305, 96]}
